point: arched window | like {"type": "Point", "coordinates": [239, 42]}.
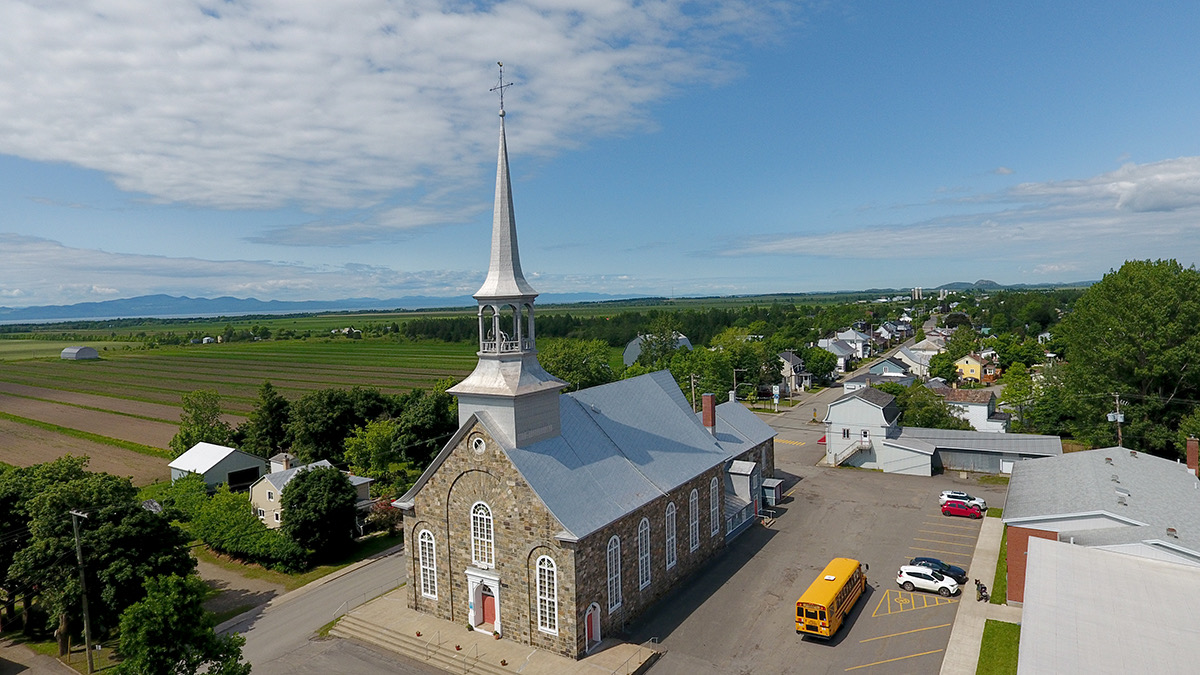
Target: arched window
{"type": "Point", "coordinates": [428, 553]}
{"type": "Point", "coordinates": [714, 507]}
{"type": "Point", "coordinates": [614, 573]}
{"type": "Point", "coordinates": [547, 595]}
{"type": "Point", "coordinates": [694, 521]}
{"type": "Point", "coordinates": [482, 545]}
{"type": "Point", "coordinates": [643, 554]}
{"type": "Point", "coordinates": [670, 535]}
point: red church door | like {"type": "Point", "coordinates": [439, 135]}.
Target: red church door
{"type": "Point", "coordinates": [489, 606]}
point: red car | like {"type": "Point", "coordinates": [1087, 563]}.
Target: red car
{"type": "Point", "coordinates": [957, 508]}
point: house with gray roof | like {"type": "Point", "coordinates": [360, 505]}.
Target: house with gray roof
{"type": "Point", "coordinates": [555, 519]}
{"type": "Point", "coordinates": [1114, 498]}
{"type": "Point", "coordinates": [917, 361]}
{"type": "Point", "coordinates": [844, 353]}
{"type": "Point", "coordinates": [977, 407]}
{"type": "Point", "coordinates": [862, 428]}
{"type": "Point", "coordinates": [266, 494]}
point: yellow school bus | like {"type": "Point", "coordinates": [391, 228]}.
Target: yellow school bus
{"type": "Point", "coordinates": [824, 606]}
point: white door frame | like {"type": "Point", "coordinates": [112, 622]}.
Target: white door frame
{"type": "Point", "coordinates": [476, 580]}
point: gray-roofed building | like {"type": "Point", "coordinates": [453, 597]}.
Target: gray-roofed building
{"type": "Point", "coordinates": [266, 494]}
{"type": "Point", "coordinates": [218, 464]}
{"type": "Point", "coordinates": [796, 377]}
{"type": "Point", "coordinates": [862, 429]}
{"type": "Point", "coordinates": [917, 362]}
{"type": "Point", "coordinates": [1090, 611]}
{"type": "Point", "coordinates": [1111, 498]}
{"type": "Point", "coordinates": [977, 407]}
{"type": "Point", "coordinates": [867, 379]}
{"type": "Point", "coordinates": [554, 519]}
{"type": "Point", "coordinates": [845, 353]}
{"type": "Point", "coordinates": [79, 353]}
{"type": "Point", "coordinates": [633, 349]}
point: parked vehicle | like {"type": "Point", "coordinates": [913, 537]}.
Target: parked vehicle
{"type": "Point", "coordinates": [828, 601]}
{"type": "Point", "coordinates": [959, 496]}
{"type": "Point", "coordinates": [953, 571]}
{"type": "Point", "coordinates": [955, 508]}
{"type": "Point", "coordinates": [911, 577]}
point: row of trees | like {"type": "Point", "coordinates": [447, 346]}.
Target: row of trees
{"type": "Point", "coordinates": [1134, 335]}
{"type": "Point", "coordinates": [123, 546]}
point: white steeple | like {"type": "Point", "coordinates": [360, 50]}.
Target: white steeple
{"type": "Point", "coordinates": [508, 383]}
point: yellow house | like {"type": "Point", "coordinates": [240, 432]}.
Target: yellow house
{"type": "Point", "coordinates": [973, 368]}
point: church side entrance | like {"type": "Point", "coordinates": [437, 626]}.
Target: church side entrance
{"type": "Point", "coordinates": [592, 621]}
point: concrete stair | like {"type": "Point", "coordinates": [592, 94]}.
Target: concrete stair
{"type": "Point", "coordinates": [424, 649]}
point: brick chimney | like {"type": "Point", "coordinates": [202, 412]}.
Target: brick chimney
{"type": "Point", "coordinates": [709, 412]}
{"type": "Point", "coordinates": [1193, 455]}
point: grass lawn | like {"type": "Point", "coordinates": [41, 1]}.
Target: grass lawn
{"type": "Point", "coordinates": [994, 512]}
{"type": "Point", "coordinates": [76, 659]}
{"type": "Point", "coordinates": [361, 550]}
{"type": "Point", "coordinates": [998, 651]}
{"type": "Point", "coordinates": [993, 480]}
{"type": "Point", "coordinates": [999, 589]}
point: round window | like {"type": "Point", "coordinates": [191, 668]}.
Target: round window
{"type": "Point", "coordinates": [478, 445]}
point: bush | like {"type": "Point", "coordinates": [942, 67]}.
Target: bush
{"type": "Point", "coordinates": [228, 525]}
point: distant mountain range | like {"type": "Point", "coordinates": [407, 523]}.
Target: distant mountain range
{"type": "Point", "coordinates": [169, 306]}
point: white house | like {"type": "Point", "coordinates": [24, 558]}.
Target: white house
{"type": "Point", "coordinates": [219, 464]}
{"type": "Point", "coordinates": [978, 407]}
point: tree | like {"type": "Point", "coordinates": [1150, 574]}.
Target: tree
{"type": "Point", "coordinates": [375, 450]}
{"type": "Point", "coordinates": [319, 511]}
{"type": "Point", "coordinates": [227, 524]}
{"type": "Point", "coordinates": [820, 362]}
{"type": "Point", "coordinates": [264, 433]}
{"type": "Point", "coordinates": [321, 420]}
{"type": "Point", "coordinates": [1018, 391]}
{"type": "Point", "coordinates": [123, 545]}
{"type": "Point", "coordinates": [942, 365]}
{"type": "Point", "coordinates": [426, 420]}
{"type": "Point", "coordinates": [1135, 333]}
{"type": "Point", "coordinates": [200, 421]}
{"type": "Point", "coordinates": [579, 363]}
{"type": "Point", "coordinates": [919, 406]}
{"type": "Point", "coordinates": [659, 344]}
{"type": "Point", "coordinates": [185, 498]}
{"type": "Point", "coordinates": [169, 631]}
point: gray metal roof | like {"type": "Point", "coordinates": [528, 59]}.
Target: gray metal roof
{"type": "Point", "coordinates": [280, 479]}
{"type": "Point", "coordinates": [1088, 611]}
{"type": "Point", "coordinates": [738, 429]}
{"type": "Point", "coordinates": [1158, 493]}
{"type": "Point", "coordinates": [986, 441]}
{"type": "Point", "coordinates": [622, 445]}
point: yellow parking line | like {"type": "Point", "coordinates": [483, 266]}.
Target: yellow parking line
{"type": "Point", "coordinates": [960, 554]}
{"type": "Point", "coordinates": [956, 527]}
{"type": "Point", "coordinates": [915, 630]}
{"type": "Point", "coordinates": [897, 601]}
{"type": "Point", "coordinates": [784, 440]}
{"type": "Point", "coordinates": [898, 658]}
{"type": "Point", "coordinates": [947, 543]}
{"type": "Point", "coordinates": [948, 534]}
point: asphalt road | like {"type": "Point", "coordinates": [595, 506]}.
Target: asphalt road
{"type": "Point", "coordinates": [278, 633]}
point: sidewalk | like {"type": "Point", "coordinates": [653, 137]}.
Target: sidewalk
{"type": "Point", "coordinates": [388, 623]}
{"type": "Point", "coordinates": [962, 654]}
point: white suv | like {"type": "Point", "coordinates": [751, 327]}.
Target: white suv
{"type": "Point", "coordinates": [960, 496]}
{"type": "Point", "coordinates": [915, 576]}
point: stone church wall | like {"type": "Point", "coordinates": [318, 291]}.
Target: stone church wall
{"type": "Point", "coordinates": [593, 555]}
{"type": "Point", "coordinates": [523, 531]}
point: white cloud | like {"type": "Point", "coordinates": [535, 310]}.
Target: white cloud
{"type": "Point", "coordinates": [1137, 211]}
{"type": "Point", "coordinates": [1002, 171]}
{"type": "Point", "coordinates": [356, 104]}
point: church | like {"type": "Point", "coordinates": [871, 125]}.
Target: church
{"type": "Point", "coordinates": [555, 519]}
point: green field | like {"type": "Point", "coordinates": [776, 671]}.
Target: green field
{"type": "Point", "coordinates": [17, 350]}
{"type": "Point", "coordinates": [237, 370]}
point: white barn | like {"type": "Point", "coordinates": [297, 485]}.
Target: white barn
{"type": "Point", "coordinates": [79, 354]}
{"type": "Point", "coordinates": [219, 464]}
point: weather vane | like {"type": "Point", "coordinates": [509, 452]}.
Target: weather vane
{"type": "Point", "coordinates": [501, 86]}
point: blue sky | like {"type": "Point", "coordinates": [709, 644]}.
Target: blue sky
{"type": "Point", "coordinates": [300, 150]}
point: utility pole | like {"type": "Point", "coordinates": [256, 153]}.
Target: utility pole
{"type": "Point", "coordinates": [693, 377]}
{"type": "Point", "coordinates": [1117, 417]}
{"type": "Point", "coordinates": [735, 372]}
{"type": "Point", "coordinates": [87, 621]}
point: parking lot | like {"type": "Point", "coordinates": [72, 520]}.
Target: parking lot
{"type": "Point", "coordinates": [738, 616]}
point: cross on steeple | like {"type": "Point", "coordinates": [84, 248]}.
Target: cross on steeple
{"type": "Point", "coordinates": [501, 86]}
